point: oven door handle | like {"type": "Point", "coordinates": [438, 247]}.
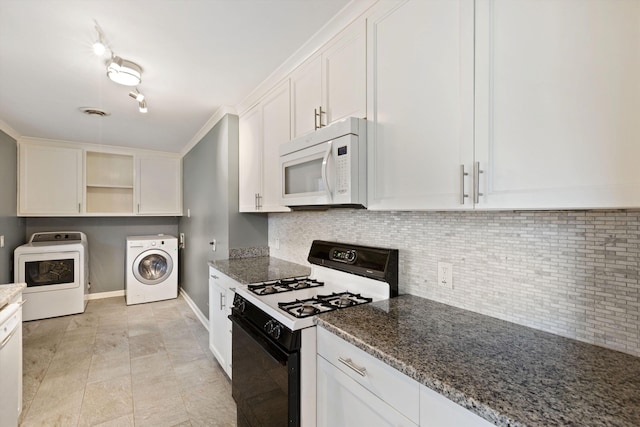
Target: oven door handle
{"type": "Point", "coordinates": [276, 353]}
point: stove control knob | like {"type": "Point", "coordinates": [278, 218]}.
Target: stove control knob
{"type": "Point", "coordinates": [239, 303]}
{"type": "Point", "coordinates": [268, 327]}
{"type": "Point", "coordinates": [277, 331]}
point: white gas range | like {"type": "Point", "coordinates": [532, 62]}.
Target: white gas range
{"type": "Point", "coordinates": [274, 333]}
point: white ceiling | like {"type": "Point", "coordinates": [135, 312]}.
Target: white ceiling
{"type": "Point", "coordinates": [197, 56]}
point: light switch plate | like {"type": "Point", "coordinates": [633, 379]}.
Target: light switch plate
{"type": "Point", "coordinates": [1, 241]}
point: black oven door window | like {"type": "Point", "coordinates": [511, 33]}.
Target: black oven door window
{"type": "Point", "coordinates": [49, 272]}
{"type": "Point", "coordinates": [265, 381]}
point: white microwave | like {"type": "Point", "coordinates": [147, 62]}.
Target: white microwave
{"type": "Point", "coordinates": [327, 168]}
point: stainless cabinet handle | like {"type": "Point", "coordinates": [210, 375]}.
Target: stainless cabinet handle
{"type": "Point", "coordinates": [221, 301]}
{"type": "Point", "coordinates": [214, 277]}
{"type": "Point", "coordinates": [315, 119]}
{"type": "Point", "coordinates": [79, 208]}
{"type": "Point", "coordinates": [232, 289]}
{"type": "Point", "coordinates": [138, 207]}
{"type": "Point", "coordinates": [349, 363]}
{"type": "Point", "coordinates": [476, 182]}
{"type": "Point", "coordinates": [462, 175]}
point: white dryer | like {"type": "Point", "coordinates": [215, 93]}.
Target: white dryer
{"type": "Point", "coordinates": [152, 268]}
{"type": "Point", "coordinates": [55, 267]}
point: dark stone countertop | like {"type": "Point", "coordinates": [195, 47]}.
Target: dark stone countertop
{"type": "Point", "coordinates": [259, 269]}
{"type": "Point", "coordinates": [509, 374]}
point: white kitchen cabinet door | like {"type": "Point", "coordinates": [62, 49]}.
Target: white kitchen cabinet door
{"type": "Point", "coordinates": [343, 402]}
{"type": "Point", "coordinates": [275, 131]}
{"type": "Point", "coordinates": [49, 180]}
{"type": "Point", "coordinates": [221, 291]}
{"type": "Point", "coordinates": [344, 74]}
{"type": "Point", "coordinates": [420, 105]}
{"type": "Point", "coordinates": [250, 159]}
{"type": "Point", "coordinates": [306, 97]}
{"type": "Point", "coordinates": [438, 411]}
{"type": "Point", "coordinates": [159, 186]}
{"type": "Point", "coordinates": [557, 102]}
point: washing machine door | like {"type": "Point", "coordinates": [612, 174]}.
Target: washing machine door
{"type": "Point", "coordinates": [152, 267]}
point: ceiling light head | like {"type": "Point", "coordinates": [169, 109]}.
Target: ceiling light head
{"type": "Point", "coordinates": [137, 95]}
{"type": "Point", "coordinates": [143, 106]}
{"type": "Point", "coordinates": [99, 48]}
{"type": "Point", "coordinates": [124, 72]}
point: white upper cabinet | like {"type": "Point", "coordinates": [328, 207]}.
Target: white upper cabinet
{"type": "Point", "coordinates": [159, 185]}
{"type": "Point", "coordinates": [331, 85]}
{"type": "Point", "coordinates": [250, 159]}
{"type": "Point", "coordinates": [261, 130]}
{"type": "Point", "coordinates": [306, 97]}
{"type": "Point", "coordinates": [49, 180]}
{"type": "Point", "coordinates": [420, 105]}
{"type": "Point", "coordinates": [557, 103]}
{"type": "Point", "coordinates": [55, 177]}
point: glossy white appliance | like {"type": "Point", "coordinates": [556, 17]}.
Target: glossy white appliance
{"type": "Point", "coordinates": [55, 267]}
{"type": "Point", "coordinates": [11, 363]}
{"type": "Point", "coordinates": [274, 337]}
{"type": "Point", "coordinates": [152, 268]}
{"type": "Point", "coordinates": [327, 167]}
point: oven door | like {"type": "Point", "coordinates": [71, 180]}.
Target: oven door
{"type": "Point", "coordinates": [265, 378]}
{"type": "Point", "coordinates": [49, 271]}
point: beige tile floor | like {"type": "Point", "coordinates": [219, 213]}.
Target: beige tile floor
{"type": "Point", "coordinates": [119, 365]}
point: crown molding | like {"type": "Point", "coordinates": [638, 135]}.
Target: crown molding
{"type": "Point", "coordinates": [213, 120]}
{"type": "Point", "coordinates": [4, 127]}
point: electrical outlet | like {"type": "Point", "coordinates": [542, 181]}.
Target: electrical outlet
{"type": "Point", "coordinates": [188, 213]}
{"type": "Point", "coordinates": [213, 245]}
{"type": "Point", "coordinates": [181, 241]}
{"type": "Point", "coordinates": [445, 274]}
{"type": "Point", "coordinates": [1, 241]}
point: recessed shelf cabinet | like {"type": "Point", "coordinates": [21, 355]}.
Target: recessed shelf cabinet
{"type": "Point", "coordinates": [109, 183]}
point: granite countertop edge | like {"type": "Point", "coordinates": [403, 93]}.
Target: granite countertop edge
{"type": "Point", "coordinates": [259, 269]}
{"type": "Point", "coordinates": [8, 291]}
{"type": "Point", "coordinates": [447, 391]}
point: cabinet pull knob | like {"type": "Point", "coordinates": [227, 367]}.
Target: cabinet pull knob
{"type": "Point", "coordinates": [462, 175]}
{"type": "Point", "coordinates": [476, 182]}
{"type": "Point", "coordinates": [349, 363]}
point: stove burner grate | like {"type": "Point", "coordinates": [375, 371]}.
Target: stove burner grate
{"type": "Point", "coordinates": [284, 285]}
{"type": "Point", "coordinates": [322, 303]}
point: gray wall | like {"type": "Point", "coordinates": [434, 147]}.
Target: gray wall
{"type": "Point", "coordinates": [572, 273]}
{"type": "Point", "coordinates": [210, 183]}
{"type": "Point", "coordinates": [12, 227]}
{"type": "Point", "coordinates": [107, 238]}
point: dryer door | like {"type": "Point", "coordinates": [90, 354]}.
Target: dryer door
{"type": "Point", "coordinates": [152, 267]}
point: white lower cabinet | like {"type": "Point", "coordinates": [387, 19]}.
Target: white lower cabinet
{"type": "Point", "coordinates": [357, 389]}
{"type": "Point", "coordinates": [221, 291]}
{"type": "Point", "coordinates": [344, 402]}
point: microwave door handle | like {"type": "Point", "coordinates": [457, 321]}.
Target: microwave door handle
{"type": "Point", "coordinates": [325, 164]}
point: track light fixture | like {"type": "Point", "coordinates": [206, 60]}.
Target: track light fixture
{"type": "Point", "coordinates": [120, 70]}
{"type": "Point", "coordinates": [137, 95]}
{"type": "Point", "coordinates": [124, 72]}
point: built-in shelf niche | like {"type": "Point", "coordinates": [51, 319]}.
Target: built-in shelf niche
{"type": "Point", "coordinates": [109, 181]}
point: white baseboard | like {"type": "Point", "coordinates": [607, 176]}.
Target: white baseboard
{"type": "Point", "coordinates": [101, 295]}
{"type": "Point", "coordinates": [203, 319]}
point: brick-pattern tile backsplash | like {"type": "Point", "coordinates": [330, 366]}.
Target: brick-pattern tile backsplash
{"type": "Point", "coordinates": [573, 273]}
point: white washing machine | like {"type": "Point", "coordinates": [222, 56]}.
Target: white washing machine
{"type": "Point", "coordinates": [55, 267]}
{"type": "Point", "coordinates": [152, 268]}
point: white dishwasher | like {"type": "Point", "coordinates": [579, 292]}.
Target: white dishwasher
{"type": "Point", "coordinates": [10, 364]}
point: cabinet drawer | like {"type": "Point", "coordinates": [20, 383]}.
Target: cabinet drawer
{"type": "Point", "coordinates": [438, 411]}
{"type": "Point", "coordinates": [222, 279]}
{"type": "Point", "coordinates": [390, 385]}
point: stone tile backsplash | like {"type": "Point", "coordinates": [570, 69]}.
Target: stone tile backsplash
{"type": "Point", "coordinates": [572, 273]}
